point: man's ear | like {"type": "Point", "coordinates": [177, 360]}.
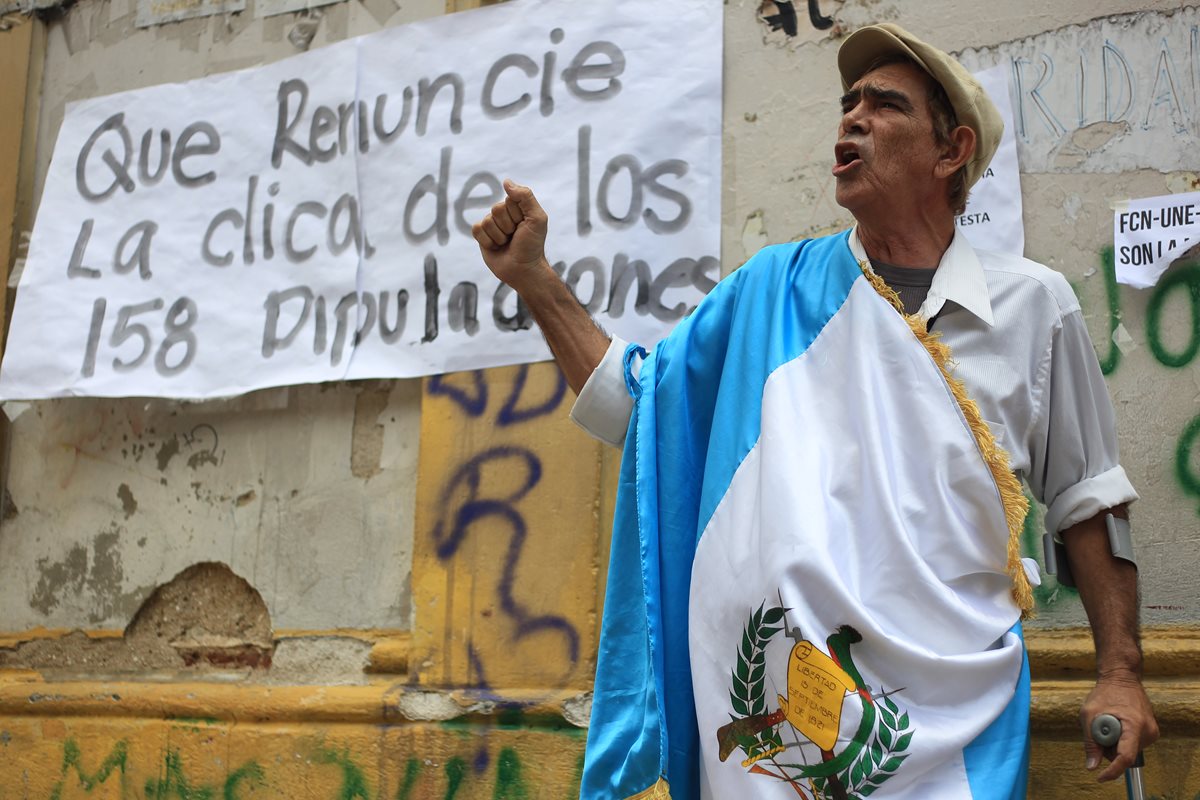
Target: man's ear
{"type": "Point", "coordinates": [959, 152]}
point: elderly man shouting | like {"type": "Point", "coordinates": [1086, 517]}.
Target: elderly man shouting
{"type": "Point", "coordinates": [815, 587]}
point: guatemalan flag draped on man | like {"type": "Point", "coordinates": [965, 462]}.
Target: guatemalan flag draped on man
{"type": "Point", "coordinates": [810, 592]}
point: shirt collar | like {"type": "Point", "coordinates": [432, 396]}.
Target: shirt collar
{"type": "Point", "coordinates": [959, 278]}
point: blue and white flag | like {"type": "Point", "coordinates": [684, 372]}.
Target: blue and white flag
{"type": "Point", "coordinates": [814, 564]}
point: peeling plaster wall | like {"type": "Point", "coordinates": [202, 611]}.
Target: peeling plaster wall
{"type": "Point", "coordinates": [305, 492]}
{"type": "Point", "coordinates": [1112, 95]}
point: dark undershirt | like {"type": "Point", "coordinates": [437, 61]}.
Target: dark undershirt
{"type": "Point", "coordinates": [911, 283]}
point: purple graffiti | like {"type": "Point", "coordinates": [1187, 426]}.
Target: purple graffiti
{"type": "Point", "coordinates": [448, 535]}
{"type": "Point", "coordinates": [511, 415]}
{"type": "Point", "coordinates": [473, 403]}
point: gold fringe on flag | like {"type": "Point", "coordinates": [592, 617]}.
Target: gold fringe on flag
{"type": "Point", "coordinates": [1016, 506]}
{"type": "Point", "coordinates": [659, 791]}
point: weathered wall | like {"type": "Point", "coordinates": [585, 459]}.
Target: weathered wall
{"type": "Point", "coordinates": [1078, 155]}
{"type": "Point", "coordinates": [327, 521]}
{"type": "Point", "coordinates": [271, 484]}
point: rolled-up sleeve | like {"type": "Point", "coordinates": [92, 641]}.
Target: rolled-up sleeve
{"type": "Point", "coordinates": [1075, 465]}
{"type": "Point", "coordinates": [604, 405]}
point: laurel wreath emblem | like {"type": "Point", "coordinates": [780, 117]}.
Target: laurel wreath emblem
{"type": "Point", "coordinates": [882, 752]}
{"type": "Point", "coordinates": [748, 693]}
{"type": "Point", "coordinates": [878, 762]}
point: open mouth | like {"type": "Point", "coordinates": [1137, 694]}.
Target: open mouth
{"type": "Point", "coordinates": [846, 155]}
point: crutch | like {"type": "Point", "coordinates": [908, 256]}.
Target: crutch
{"type": "Point", "coordinates": [1106, 732]}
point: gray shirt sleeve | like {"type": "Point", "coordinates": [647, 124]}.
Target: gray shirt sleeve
{"type": "Point", "coordinates": [1074, 460]}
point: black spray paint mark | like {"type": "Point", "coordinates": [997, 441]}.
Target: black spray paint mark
{"type": "Point", "coordinates": [782, 14]}
{"type": "Point", "coordinates": [818, 21]}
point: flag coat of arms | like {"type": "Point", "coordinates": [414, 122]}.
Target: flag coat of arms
{"type": "Point", "coordinates": [815, 585]}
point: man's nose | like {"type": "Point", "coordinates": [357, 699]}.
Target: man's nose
{"type": "Point", "coordinates": [855, 120]}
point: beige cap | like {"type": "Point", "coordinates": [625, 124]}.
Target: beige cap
{"type": "Point", "coordinates": [971, 104]}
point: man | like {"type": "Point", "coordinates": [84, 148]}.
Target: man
{"type": "Point", "coordinates": [801, 464]}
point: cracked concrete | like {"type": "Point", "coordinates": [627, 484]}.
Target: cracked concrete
{"type": "Point", "coordinates": [319, 660]}
{"type": "Point", "coordinates": [430, 706]}
{"type": "Point", "coordinates": [578, 710]}
{"type": "Point", "coordinates": [206, 616]}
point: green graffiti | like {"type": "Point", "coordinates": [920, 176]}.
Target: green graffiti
{"type": "Point", "coordinates": [1051, 591]}
{"type": "Point", "coordinates": [250, 772]}
{"type": "Point", "coordinates": [1182, 277]}
{"type": "Point", "coordinates": [1189, 481]}
{"type": "Point", "coordinates": [354, 783]}
{"type": "Point", "coordinates": [509, 785]}
{"type": "Point", "coordinates": [1110, 362]}
{"type": "Point", "coordinates": [411, 770]}
{"type": "Point", "coordinates": [175, 783]}
{"type": "Point", "coordinates": [456, 771]}
{"type": "Point", "coordinates": [72, 759]}
{"type": "Point", "coordinates": [578, 778]}
{"type": "Point", "coordinates": [511, 718]}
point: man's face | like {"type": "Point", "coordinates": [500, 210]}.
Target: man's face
{"type": "Point", "coordinates": [886, 150]}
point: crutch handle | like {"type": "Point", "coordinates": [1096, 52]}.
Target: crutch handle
{"type": "Point", "coordinates": [1106, 732]}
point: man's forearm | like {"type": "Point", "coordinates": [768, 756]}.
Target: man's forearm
{"type": "Point", "coordinates": [578, 345]}
{"type": "Point", "coordinates": [1109, 591]}
{"type": "Point", "coordinates": [512, 241]}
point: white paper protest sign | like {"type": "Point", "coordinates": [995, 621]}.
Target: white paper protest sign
{"type": "Point", "coordinates": [1151, 232]}
{"type": "Point", "coordinates": [310, 220]}
{"type": "Point", "coordinates": [992, 220]}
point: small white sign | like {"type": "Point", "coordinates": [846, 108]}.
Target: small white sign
{"type": "Point", "coordinates": [1150, 233]}
{"type": "Point", "coordinates": [992, 220]}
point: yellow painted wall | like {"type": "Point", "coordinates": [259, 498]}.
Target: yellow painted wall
{"type": "Point", "coordinates": [200, 742]}
{"type": "Point", "coordinates": [511, 533]}
{"type": "Point", "coordinates": [395, 739]}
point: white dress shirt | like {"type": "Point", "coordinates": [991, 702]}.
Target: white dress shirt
{"type": "Point", "coordinates": [1019, 344]}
